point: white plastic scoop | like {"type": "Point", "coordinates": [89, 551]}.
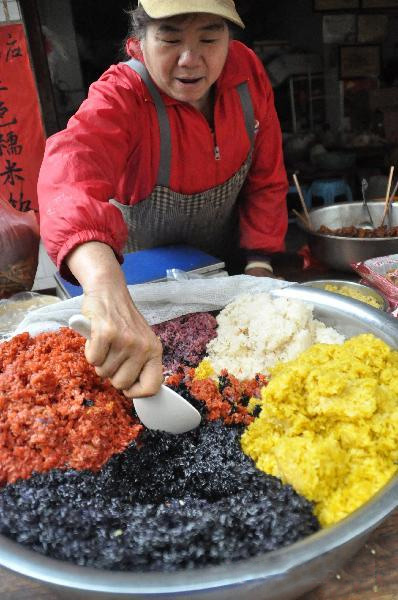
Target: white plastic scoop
{"type": "Point", "coordinates": [166, 410]}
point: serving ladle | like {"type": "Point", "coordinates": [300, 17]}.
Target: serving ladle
{"type": "Point", "coordinates": [166, 410]}
{"type": "Point", "coordinates": [367, 224]}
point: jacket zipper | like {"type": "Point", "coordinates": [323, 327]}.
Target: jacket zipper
{"type": "Point", "coordinates": [216, 147]}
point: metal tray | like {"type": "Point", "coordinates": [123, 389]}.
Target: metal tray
{"type": "Point", "coordinates": [280, 575]}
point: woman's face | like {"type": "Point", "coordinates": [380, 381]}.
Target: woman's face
{"type": "Point", "coordinates": [185, 55]}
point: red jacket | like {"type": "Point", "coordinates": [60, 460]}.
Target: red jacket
{"type": "Point", "coordinates": [110, 149]}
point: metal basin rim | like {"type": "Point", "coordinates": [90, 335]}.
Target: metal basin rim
{"type": "Point", "coordinates": [259, 568]}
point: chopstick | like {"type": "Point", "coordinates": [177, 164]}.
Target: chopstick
{"type": "Point", "coordinates": [302, 218]}
{"type": "Point", "coordinates": [303, 204]}
{"type": "Point", "coordinates": [387, 198]}
{"type": "Point", "coordinates": [392, 197]}
{"type": "Point", "coordinates": [391, 202]}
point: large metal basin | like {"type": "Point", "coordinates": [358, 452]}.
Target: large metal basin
{"type": "Point", "coordinates": [340, 252]}
{"type": "Point", "coordinates": [279, 575]}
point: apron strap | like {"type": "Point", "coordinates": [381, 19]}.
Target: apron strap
{"type": "Point", "coordinates": [247, 107]}
{"type": "Point", "coordinates": [163, 120]}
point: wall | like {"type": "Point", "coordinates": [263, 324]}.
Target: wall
{"type": "Point", "coordinates": [58, 28]}
{"type": "Point", "coordinates": [91, 32]}
{"type": "Point", "coordinates": [297, 23]}
{"type": "Point", "coordinates": [294, 21]}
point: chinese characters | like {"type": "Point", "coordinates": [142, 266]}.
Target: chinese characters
{"type": "Point", "coordinates": [21, 130]}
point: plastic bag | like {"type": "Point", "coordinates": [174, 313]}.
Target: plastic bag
{"type": "Point", "coordinates": [180, 275]}
{"type": "Point", "coordinates": [19, 249]}
{"type": "Point", "coordinates": [17, 307]}
{"type": "Point", "coordinates": [161, 301]}
{"type": "Point", "coordinates": [377, 272]}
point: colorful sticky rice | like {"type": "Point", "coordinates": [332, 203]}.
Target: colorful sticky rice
{"type": "Point", "coordinates": [165, 502]}
{"type": "Point", "coordinates": [184, 339]}
{"type": "Point", "coordinates": [256, 331]}
{"type": "Point", "coordinates": [329, 424]}
{"type": "Point", "coordinates": [55, 411]}
{"type": "Point", "coordinates": [223, 397]}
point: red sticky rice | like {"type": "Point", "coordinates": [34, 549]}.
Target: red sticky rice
{"type": "Point", "coordinates": [55, 412]}
{"type": "Point", "coordinates": [225, 398]}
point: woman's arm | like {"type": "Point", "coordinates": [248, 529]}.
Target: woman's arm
{"type": "Point", "coordinates": [122, 346]}
{"type": "Point", "coordinates": [82, 166]}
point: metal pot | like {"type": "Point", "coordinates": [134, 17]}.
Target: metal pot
{"type": "Point", "coordinates": [339, 252]}
{"type": "Point", "coordinates": [280, 575]}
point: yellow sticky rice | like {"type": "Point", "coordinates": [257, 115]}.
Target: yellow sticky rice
{"type": "Point", "coordinates": [345, 290]}
{"type": "Point", "coordinates": [204, 370]}
{"type": "Point", "coordinates": [329, 424]}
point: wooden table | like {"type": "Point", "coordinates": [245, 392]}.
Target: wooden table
{"type": "Point", "coordinates": [371, 575]}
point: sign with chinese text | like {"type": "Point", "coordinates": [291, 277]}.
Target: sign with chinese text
{"type": "Point", "coordinates": [22, 136]}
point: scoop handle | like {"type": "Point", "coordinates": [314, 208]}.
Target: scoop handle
{"type": "Point", "coordinates": [166, 410]}
{"type": "Point", "coordinates": [81, 324]}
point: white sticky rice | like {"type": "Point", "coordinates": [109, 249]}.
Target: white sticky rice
{"type": "Point", "coordinates": [256, 331]}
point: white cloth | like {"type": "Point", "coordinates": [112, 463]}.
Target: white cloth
{"type": "Point", "coordinates": [159, 302]}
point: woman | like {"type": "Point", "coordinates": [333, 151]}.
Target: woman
{"type": "Point", "coordinates": [158, 154]}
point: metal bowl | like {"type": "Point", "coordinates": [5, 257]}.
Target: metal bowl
{"type": "Point", "coordinates": [339, 252]}
{"type": "Point", "coordinates": [280, 575]}
{"type": "Point", "coordinates": [364, 290]}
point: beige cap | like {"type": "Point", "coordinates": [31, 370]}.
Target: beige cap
{"type": "Point", "coordinates": [162, 9]}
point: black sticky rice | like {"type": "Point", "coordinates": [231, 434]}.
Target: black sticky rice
{"type": "Point", "coordinates": [168, 503]}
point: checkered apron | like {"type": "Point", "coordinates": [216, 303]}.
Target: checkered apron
{"type": "Point", "coordinates": [207, 220]}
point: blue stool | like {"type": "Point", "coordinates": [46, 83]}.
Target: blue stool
{"type": "Point", "coordinates": [328, 190]}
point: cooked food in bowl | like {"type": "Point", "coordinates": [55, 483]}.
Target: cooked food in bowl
{"type": "Point", "coordinates": [328, 422]}
{"type": "Point", "coordinates": [341, 251]}
{"type": "Point", "coordinates": [184, 503]}
{"type": "Point", "coordinates": [79, 454]}
{"type": "Point", "coordinates": [360, 232]}
{"type": "Point", "coordinates": [345, 290]}
{"type": "Point", "coordinates": [352, 289]}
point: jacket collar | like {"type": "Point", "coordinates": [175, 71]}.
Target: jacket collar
{"type": "Point", "coordinates": [232, 74]}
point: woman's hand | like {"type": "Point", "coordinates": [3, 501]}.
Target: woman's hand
{"type": "Point", "coordinates": [122, 346]}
